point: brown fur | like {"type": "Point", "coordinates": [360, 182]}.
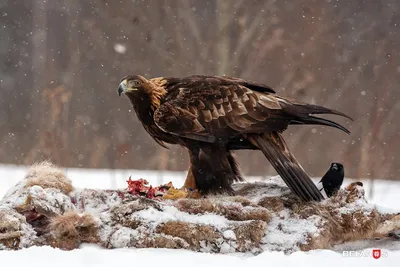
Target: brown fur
{"type": "Point", "coordinates": [343, 227]}
{"type": "Point", "coordinates": [387, 226]}
{"type": "Point", "coordinates": [160, 241]}
{"type": "Point", "coordinates": [47, 175]}
{"type": "Point", "coordinates": [242, 200]}
{"type": "Point", "coordinates": [354, 192]}
{"type": "Point", "coordinates": [235, 211]}
{"type": "Point", "coordinates": [340, 229]}
{"type": "Point", "coordinates": [249, 234]}
{"type": "Point", "coordinates": [251, 188]}
{"type": "Point", "coordinates": [10, 240]}
{"type": "Point", "coordinates": [342, 218]}
{"type": "Point", "coordinates": [276, 204]}
{"type": "Point", "coordinates": [68, 231]}
{"type": "Point", "coordinates": [193, 234]}
{"type": "Point", "coordinates": [10, 229]}
{"type": "Point", "coordinates": [122, 213]}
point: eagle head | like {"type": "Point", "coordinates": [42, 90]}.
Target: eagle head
{"type": "Point", "coordinates": [131, 84]}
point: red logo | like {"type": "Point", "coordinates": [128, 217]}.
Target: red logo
{"type": "Point", "coordinates": [376, 253]}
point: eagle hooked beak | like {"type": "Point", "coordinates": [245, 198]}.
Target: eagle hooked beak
{"type": "Point", "coordinates": [122, 87]}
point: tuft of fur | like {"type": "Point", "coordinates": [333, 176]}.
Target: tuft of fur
{"type": "Point", "coordinates": [345, 220]}
{"type": "Point", "coordinates": [47, 175]}
{"type": "Point", "coordinates": [249, 234]}
{"type": "Point", "coordinates": [389, 225]}
{"type": "Point", "coordinates": [193, 234]}
{"type": "Point", "coordinates": [276, 204]}
{"type": "Point", "coordinates": [356, 191]}
{"type": "Point", "coordinates": [232, 208]}
{"type": "Point", "coordinates": [71, 229]}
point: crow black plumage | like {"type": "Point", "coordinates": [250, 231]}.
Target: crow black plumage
{"type": "Point", "coordinates": [333, 179]}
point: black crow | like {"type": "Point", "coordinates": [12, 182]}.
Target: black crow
{"type": "Point", "coordinates": [332, 180]}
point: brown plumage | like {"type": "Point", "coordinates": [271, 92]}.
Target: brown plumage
{"type": "Point", "coordinates": [212, 116]}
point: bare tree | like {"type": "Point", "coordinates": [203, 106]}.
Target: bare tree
{"type": "Point", "coordinates": [338, 54]}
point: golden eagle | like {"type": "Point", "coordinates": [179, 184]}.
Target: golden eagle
{"type": "Point", "coordinates": [212, 116]}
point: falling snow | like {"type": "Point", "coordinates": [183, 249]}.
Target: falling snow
{"type": "Point", "coordinates": [120, 48]}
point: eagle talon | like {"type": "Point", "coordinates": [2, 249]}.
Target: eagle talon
{"type": "Point", "coordinates": [183, 192]}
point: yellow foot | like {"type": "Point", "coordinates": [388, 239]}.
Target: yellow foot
{"type": "Point", "coordinates": [174, 193]}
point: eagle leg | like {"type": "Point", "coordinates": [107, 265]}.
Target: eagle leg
{"type": "Point", "coordinates": [213, 170]}
{"type": "Point", "coordinates": [183, 192]}
{"type": "Point", "coordinates": [190, 182]}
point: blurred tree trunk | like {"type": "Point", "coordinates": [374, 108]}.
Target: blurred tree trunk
{"type": "Point", "coordinates": [341, 55]}
{"type": "Point", "coordinates": [224, 17]}
{"type": "Point", "coordinates": [39, 57]}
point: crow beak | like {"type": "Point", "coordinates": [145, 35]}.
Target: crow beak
{"type": "Point", "coordinates": [335, 167]}
{"type": "Point", "coordinates": [122, 87]}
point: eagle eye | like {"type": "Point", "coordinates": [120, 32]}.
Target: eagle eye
{"type": "Point", "coordinates": [136, 83]}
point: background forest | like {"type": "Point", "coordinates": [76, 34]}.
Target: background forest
{"type": "Point", "coordinates": [61, 62]}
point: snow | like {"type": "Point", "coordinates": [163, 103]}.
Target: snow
{"type": "Point", "coordinates": [385, 194]}
{"type": "Point", "coordinates": [286, 232]}
{"type": "Point", "coordinates": [123, 236]}
{"type": "Point", "coordinates": [94, 256]}
{"type": "Point", "coordinates": [120, 48]}
{"type": "Point", "coordinates": [229, 234]}
{"type": "Point", "coordinates": [173, 214]}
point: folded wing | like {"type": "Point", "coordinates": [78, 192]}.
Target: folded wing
{"type": "Point", "coordinates": [217, 112]}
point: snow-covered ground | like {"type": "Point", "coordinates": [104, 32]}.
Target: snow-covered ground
{"type": "Point", "coordinates": [93, 256]}
{"type": "Point", "coordinates": [385, 194]}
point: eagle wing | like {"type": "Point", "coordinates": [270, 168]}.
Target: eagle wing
{"type": "Point", "coordinates": [208, 108]}
{"type": "Point", "coordinates": [207, 112]}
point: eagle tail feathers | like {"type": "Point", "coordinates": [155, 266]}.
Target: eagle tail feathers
{"type": "Point", "coordinates": [314, 109]}
{"type": "Point", "coordinates": [311, 120]}
{"type": "Point", "coordinates": [276, 151]}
